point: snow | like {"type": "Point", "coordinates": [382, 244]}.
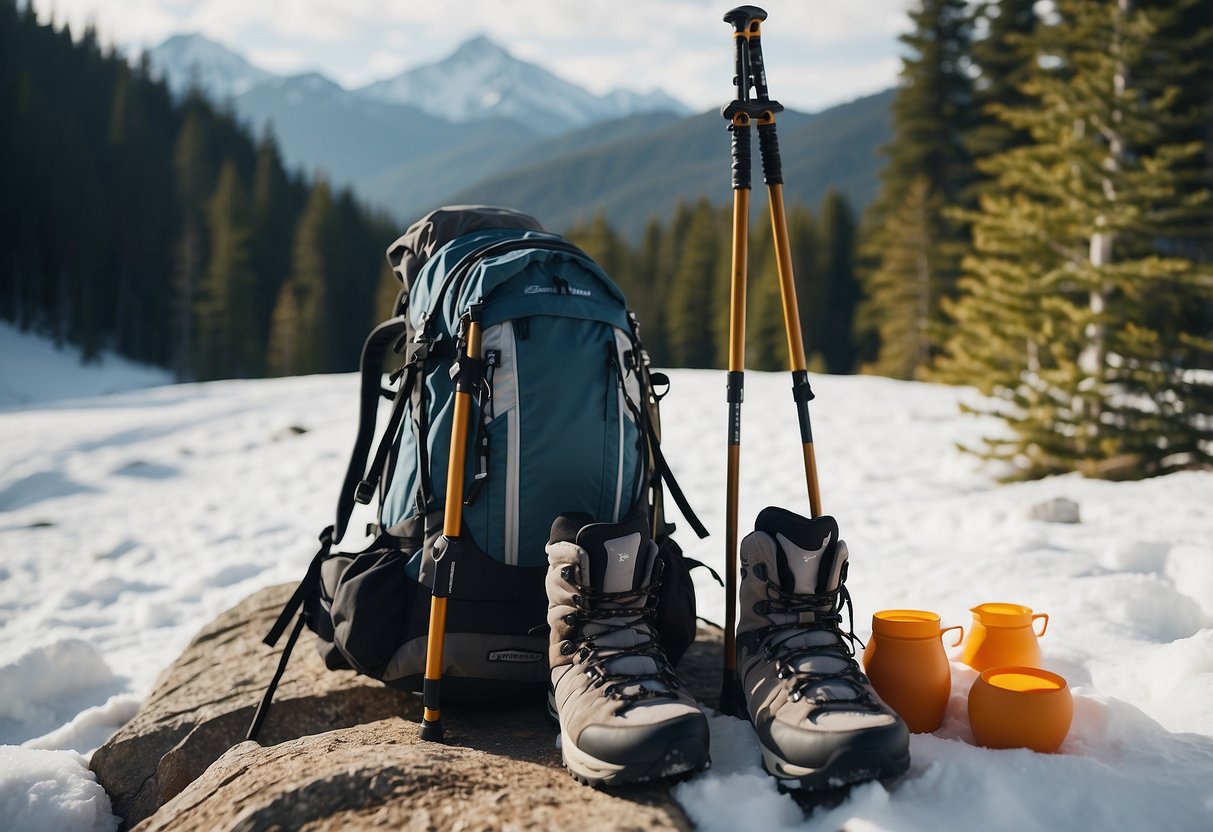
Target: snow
{"type": "Point", "coordinates": [130, 519]}
{"type": "Point", "coordinates": [34, 370]}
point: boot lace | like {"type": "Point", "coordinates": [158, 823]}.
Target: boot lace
{"type": "Point", "coordinates": [606, 609]}
{"type": "Point", "coordinates": [826, 609]}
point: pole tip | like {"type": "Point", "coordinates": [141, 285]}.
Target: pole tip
{"type": "Point", "coordinates": [732, 703]}
{"type": "Point", "coordinates": [431, 731]}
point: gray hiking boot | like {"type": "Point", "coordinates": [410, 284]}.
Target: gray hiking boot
{"type": "Point", "coordinates": [624, 716]}
{"type": "Point", "coordinates": [818, 720]}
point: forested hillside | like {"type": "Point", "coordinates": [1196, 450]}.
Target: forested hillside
{"type": "Point", "coordinates": [164, 231]}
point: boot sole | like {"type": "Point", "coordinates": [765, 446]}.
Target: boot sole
{"type": "Point", "coordinates": [845, 768]}
{"type": "Point", "coordinates": [690, 757]}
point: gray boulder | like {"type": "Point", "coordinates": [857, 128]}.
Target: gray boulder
{"type": "Point", "coordinates": [339, 751]}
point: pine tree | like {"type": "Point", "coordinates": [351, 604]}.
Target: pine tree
{"type": "Point", "coordinates": [766, 345]}
{"type": "Point", "coordinates": [836, 242]}
{"type": "Point", "coordinates": [689, 331]}
{"type": "Point", "coordinates": [813, 296]}
{"type": "Point", "coordinates": [226, 332]}
{"type": "Point", "coordinates": [909, 284]}
{"type": "Point", "coordinates": [274, 218]}
{"type": "Point", "coordinates": [1004, 58]}
{"type": "Point", "coordinates": [651, 285]}
{"type": "Point", "coordinates": [1059, 319]}
{"type": "Point", "coordinates": [192, 173]}
{"type": "Point", "coordinates": [932, 114]}
{"type": "Point", "coordinates": [299, 330]}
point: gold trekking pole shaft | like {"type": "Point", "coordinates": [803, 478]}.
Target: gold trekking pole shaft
{"type": "Point", "coordinates": [801, 392]}
{"type": "Point", "coordinates": [745, 24]}
{"type": "Point", "coordinates": [750, 74]}
{"type": "Point", "coordinates": [449, 545]}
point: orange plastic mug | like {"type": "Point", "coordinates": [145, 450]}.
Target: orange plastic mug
{"type": "Point", "coordinates": [1003, 634]}
{"type": "Point", "coordinates": [1020, 707]}
{"type": "Point", "coordinates": [906, 664]}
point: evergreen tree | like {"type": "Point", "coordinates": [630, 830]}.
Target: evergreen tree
{"type": "Point", "coordinates": [814, 299]}
{"type": "Point", "coordinates": [1004, 58]}
{"type": "Point", "coordinates": [225, 315]}
{"type": "Point", "coordinates": [651, 285]}
{"type": "Point", "coordinates": [836, 242]}
{"type": "Point", "coordinates": [909, 284]}
{"type": "Point", "coordinates": [601, 241]}
{"type": "Point", "coordinates": [192, 174]}
{"type": "Point", "coordinates": [689, 329]}
{"type": "Point", "coordinates": [665, 267]}
{"type": "Point", "coordinates": [1059, 317]}
{"type": "Point", "coordinates": [933, 112]}
{"type": "Point", "coordinates": [299, 331]}
{"type": "Point", "coordinates": [765, 347]}
{"type": "Point", "coordinates": [275, 213]}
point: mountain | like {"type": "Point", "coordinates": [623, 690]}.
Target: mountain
{"type": "Point", "coordinates": [631, 177]}
{"type": "Point", "coordinates": [481, 80]}
{"type": "Point", "coordinates": [483, 126]}
{"type": "Point", "coordinates": [193, 61]}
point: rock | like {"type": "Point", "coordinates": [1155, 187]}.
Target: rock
{"type": "Point", "coordinates": [1057, 510]}
{"type": "Point", "coordinates": [340, 750]}
{"type": "Point", "coordinates": [381, 775]}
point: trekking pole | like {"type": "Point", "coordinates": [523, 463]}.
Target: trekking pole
{"type": "Point", "coordinates": [738, 116]}
{"type": "Point", "coordinates": [741, 113]}
{"type": "Point", "coordinates": [468, 372]}
{"type": "Point", "coordinates": [772, 175]}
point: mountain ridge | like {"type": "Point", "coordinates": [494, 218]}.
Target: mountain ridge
{"type": "Point", "coordinates": [510, 132]}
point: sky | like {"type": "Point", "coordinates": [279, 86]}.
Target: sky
{"type": "Point", "coordinates": [818, 52]}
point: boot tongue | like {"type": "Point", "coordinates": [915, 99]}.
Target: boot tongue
{"type": "Point", "coordinates": [808, 558]}
{"type": "Point", "coordinates": [618, 554]}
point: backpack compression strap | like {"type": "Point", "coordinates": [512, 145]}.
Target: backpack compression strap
{"type": "Point", "coordinates": [663, 468]}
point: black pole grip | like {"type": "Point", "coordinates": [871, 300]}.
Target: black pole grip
{"type": "Point", "coordinates": [741, 156]}
{"type": "Point", "coordinates": [742, 16]}
{"type": "Point", "coordinates": [768, 146]}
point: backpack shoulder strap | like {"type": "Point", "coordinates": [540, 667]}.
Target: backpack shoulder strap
{"type": "Point", "coordinates": [386, 337]}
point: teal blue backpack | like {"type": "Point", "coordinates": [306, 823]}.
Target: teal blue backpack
{"type": "Point", "coordinates": [565, 419]}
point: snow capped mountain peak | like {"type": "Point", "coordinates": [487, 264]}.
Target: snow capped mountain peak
{"type": "Point", "coordinates": [481, 80]}
{"type": "Point", "coordinates": [195, 61]}
{"type": "Point", "coordinates": [479, 48]}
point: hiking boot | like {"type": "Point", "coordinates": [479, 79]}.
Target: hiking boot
{"type": "Point", "coordinates": [624, 716]}
{"type": "Point", "coordinates": [819, 722]}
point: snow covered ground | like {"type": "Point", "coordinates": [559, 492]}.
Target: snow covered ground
{"type": "Point", "coordinates": [129, 520]}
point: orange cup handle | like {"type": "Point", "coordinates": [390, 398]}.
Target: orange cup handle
{"type": "Point", "coordinates": [959, 638]}
{"type": "Point", "coordinates": [1045, 617]}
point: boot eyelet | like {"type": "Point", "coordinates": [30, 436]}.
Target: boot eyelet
{"type": "Point", "coordinates": [760, 571]}
{"type": "Point", "coordinates": [796, 697]}
{"type": "Point", "coordinates": [566, 573]}
{"type": "Point", "coordinates": [566, 648]}
{"type": "Point", "coordinates": [570, 619]}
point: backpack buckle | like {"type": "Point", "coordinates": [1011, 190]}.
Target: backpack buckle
{"type": "Point", "coordinates": [364, 491]}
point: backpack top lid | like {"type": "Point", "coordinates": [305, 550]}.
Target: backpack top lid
{"type": "Point", "coordinates": [408, 254]}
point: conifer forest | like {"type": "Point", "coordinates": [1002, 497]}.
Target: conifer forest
{"type": "Point", "coordinates": [1043, 232]}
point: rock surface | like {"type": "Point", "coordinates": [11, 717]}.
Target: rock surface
{"type": "Point", "coordinates": [1056, 510]}
{"type": "Point", "coordinates": [339, 751]}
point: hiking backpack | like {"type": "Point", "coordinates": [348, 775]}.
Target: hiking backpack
{"type": "Point", "coordinates": [564, 419]}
